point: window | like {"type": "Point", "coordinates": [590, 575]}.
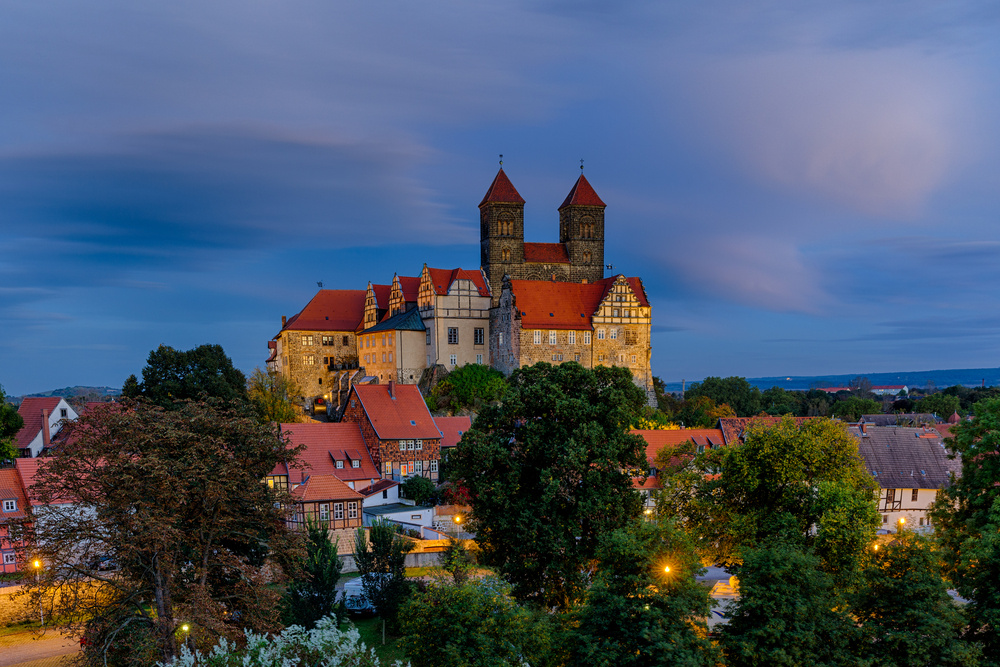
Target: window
{"type": "Point", "coordinates": [420, 445]}
{"type": "Point", "coordinates": [577, 358]}
{"type": "Point", "coordinates": [385, 494]}
{"type": "Point", "coordinates": [614, 334]}
{"type": "Point", "coordinates": [9, 558]}
{"type": "Point", "coordinates": [409, 445]}
{"type": "Point", "coordinates": [913, 495]}
{"type": "Point", "coordinates": [383, 340]}
{"type": "Point", "coordinates": [586, 257]}
{"type": "Point", "coordinates": [501, 338]}
{"type": "Point", "coordinates": [572, 338]}
{"type": "Point", "coordinates": [452, 335]}
{"type": "Point", "coordinates": [586, 338]}
{"type": "Point", "coordinates": [478, 335]}
{"type": "Point", "coordinates": [479, 359]}
{"type": "Point", "coordinates": [63, 413]}
{"type": "Point", "coordinates": [327, 340]}
{"type": "Point", "coordinates": [324, 512]}
{"type": "Point", "coordinates": [390, 356]}
{"type": "Point", "coordinates": [352, 510]}
{"type": "Point", "coordinates": [885, 518]}
{"type": "Point", "coordinates": [633, 358]}
{"type": "Point", "coordinates": [309, 359]}
{"type": "Point", "coordinates": [434, 466]}
{"type": "Point", "coordinates": [366, 358]}
{"type": "Point", "coordinates": [10, 506]}
{"type": "Point", "coordinates": [600, 334]}
{"type": "Point", "coordinates": [538, 338]}
{"type": "Point", "coordinates": [345, 340]}
{"type": "Point", "coordinates": [552, 338]}
{"type": "Point", "coordinates": [402, 469]}
{"type": "Point", "coordinates": [614, 312]}
{"type": "Point", "coordinates": [418, 467]}
{"type": "Point", "coordinates": [383, 357]}
{"type": "Point", "coordinates": [307, 340]}
{"type": "Point", "coordinates": [454, 360]}
{"type": "Point", "coordinates": [338, 510]}
{"type": "Point", "coordinates": [427, 336]}
{"type": "Point", "coordinates": [921, 521]}
{"type": "Point", "coordinates": [402, 445]}
{"type": "Point", "coordinates": [626, 313]}
{"type": "Point", "coordinates": [505, 255]}
{"type": "Point", "coordinates": [355, 464]}
{"type": "Point", "coordinates": [600, 357]}
{"type": "Point", "coordinates": [277, 481]}
{"type": "Point", "coordinates": [388, 469]}
{"type": "Point", "coordinates": [340, 464]}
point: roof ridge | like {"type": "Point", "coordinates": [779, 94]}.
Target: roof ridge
{"type": "Point", "coordinates": [502, 190]}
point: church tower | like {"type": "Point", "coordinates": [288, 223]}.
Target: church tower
{"type": "Point", "coordinates": [581, 228]}
{"type": "Point", "coordinates": [501, 233]}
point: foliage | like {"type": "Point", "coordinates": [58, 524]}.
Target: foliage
{"type": "Point", "coordinates": [778, 401]}
{"type": "Point", "coordinates": [941, 404]}
{"type": "Point", "coordinates": [636, 613]}
{"type": "Point", "coordinates": [966, 517]}
{"type": "Point", "coordinates": [175, 500]}
{"type": "Point", "coordinates": [380, 556]}
{"type": "Point", "coordinates": [172, 375]}
{"type": "Point", "coordinates": [904, 608]}
{"type": "Point", "coordinates": [548, 470]}
{"type": "Point", "coordinates": [470, 386]}
{"type": "Point", "coordinates": [271, 395]}
{"type": "Point", "coordinates": [473, 624]}
{"type": "Point", "coordinates": [654, 420]}
{"type": "Point", "coordinates": [852, 407]}
{"type": "Point", "coordinates": [861, 387]}
{"type": "Point", "coordinates": [312, 595]}
{"type": "Point", "coordinates": [736, 392]}
{"type": "Point", "coordinates": [10, 423]}
{"type": "Point", "coordinates": [771, 483]}
{"type": "Point", "coordinates": [419, 489]}
{"type": "Point", "coordinates": [324, 646]}
{"type": "Point", "coordinates": [702, 412]}
{"type": "Point", "coordinates": [788, 614]}
{"type": "Point", "coordinates": [457, 560]}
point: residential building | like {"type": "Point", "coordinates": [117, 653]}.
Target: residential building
{"type": "Point", "coordinates": [397, 429]}
{"type": "Point", "coordinates": [452, 429]}
{"type": "Point", "coordinates": [734, 428]}
{"type": "Point", "coordinates": [325, 498]}
{"type": "Point", "coordinates": [656, 439]}
{"type": "Point", "coordinates": [13, 513]}
{"type": "Point", "coordinates": [455, 307]}
{"type": "Point", "coordinates": [414, 517]}
{"type": "Point", "coordinates": [327, 449]}
{"type": "Point", "coordinates": [394, 349]}
{"type": "Point", "coordinates": [890, 389]}
{"type": "Point", "coordinates": [43, 419]}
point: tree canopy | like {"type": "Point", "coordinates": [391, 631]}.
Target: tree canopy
{"type": "Point", "coordinates": [272, 396]}
{"type": "Point", "coordinates": [852, 407]}
{"type": "Point", "coordinates": [941, 404]}
{"type": "Point", "coordinates": [312, 594]}
{"type": "Point", "coordinates": [174, 375]}
{"type": "Point", "coordinates": [470, 386]}
{"type": "Point", "coordinates": [734, 391]}
{"type": "Point", "coordinates": [10, 423]}
{"type": "Point", "coordinates": [548, 470]}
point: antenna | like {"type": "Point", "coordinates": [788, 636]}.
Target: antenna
{"type": "Point", "coordinates": [319, 284]}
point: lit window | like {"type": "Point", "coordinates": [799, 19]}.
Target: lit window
{"type": "Point", "coordinates": [572, 338]}
{"type": "Point", "coordinates": [454, 360]}
{"type": "Point", "coordinates": [388, 469]}
{"type": "Point", "coordinates": [586, 338]}
{"type": "Point", "coordinates": [307, 340]}
{"type": "Point", "coordinates": [538, 338]}
{"type": "Point", "coordinates": [501, 338]}
{"type": "Point", "coordinates": [324, 512]}
{"type": "Point", "coordinates": [309, 360]}
{"type": "Point", "coordinates": [600, 334]}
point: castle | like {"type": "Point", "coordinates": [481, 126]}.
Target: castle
{"type": "Point", "coordinates": [528, 302]}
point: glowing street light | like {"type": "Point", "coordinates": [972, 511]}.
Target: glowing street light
{"type": "Point", "coordinates": [666, 569]}
{"type": "Point", "coordinates": [185, 628]}
{"type": "Point", "coordinates": [458, 519]}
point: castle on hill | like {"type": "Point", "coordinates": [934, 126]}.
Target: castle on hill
{"type": "Point", "coordinates": [528, 302]}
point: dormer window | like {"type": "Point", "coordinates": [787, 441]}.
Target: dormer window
{"type": "Point", "coordinates": [10, 506]}
{"type": "Point", "coordinates": [340, 464]}
{"type": "Point", "coordinates": [355, 464]}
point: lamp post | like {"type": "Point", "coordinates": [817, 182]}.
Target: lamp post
{"type": "Point", "coordinates": [458, 525]}
{"type": "Point", "coordinates": [41, 609]}
{"type": "Point", "coordinates": [902, 524]}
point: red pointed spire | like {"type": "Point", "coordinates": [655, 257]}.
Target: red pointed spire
{"type": "Point", "coordinates": [502, 190]}
{"type": "Point", "coordinates": [582, 194]}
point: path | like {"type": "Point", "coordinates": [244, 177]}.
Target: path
{"type": "Point", "coordinates": [30, 649]}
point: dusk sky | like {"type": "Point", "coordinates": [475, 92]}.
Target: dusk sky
{"type": "Point", "coordinates": [804, 187]}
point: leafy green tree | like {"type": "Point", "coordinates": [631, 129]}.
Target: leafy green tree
{"type": "Point", "coordinates": [852, 407]}
{"type": "Point", "coordinates": [203, 372]}
{"type": "Point", "coordinates": [313, 595]}
{"type": "Point", "coordinates": [10, 423]}
{"type": "Point", "coordinates": [966, 517]}
{"type": "Point", "coordinates": [778, 401]}
{"type": "Point", "coordinates": [175, 500]}
{"type": "Point", "coordinates": [645, 607]}
{"type": "Point", "coordinates": [131, 388]}
{"type": "Point", "coordinates": [272, 396]}
{"type": "Point", "coordinates": [702, 412]}
{"type": "Point", "coordinates": [470, 386]}
{"type": "Point", "coordinates": [419, 489]}
{"type": "Point", "coordinates": [906, 615]}
{"type": "Point", "coordinates": [941, 404]}
{"type": "Point", "coordinates": [785, 476]}
{"type": "Point", "coordinates": [787, 614]}
{"type": "Point", "coordinates": [474, 624]}
{"type": "Point", "coordinates": [549, 470]}
{"type": "Point", "coordinates": [380, 556]}
{"type": "Point", "coordinates": [734, 391]}
{"type": "Point", "coordinates": [457, 560]}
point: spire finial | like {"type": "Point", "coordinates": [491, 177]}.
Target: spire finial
{"type": "Point", "coordinates": [501, 160]}
{"type": "Point", "coordinates": [581, 165]}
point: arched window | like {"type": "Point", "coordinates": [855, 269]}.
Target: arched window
{"type": "Point", "coordinates": [505, 226]}
{"type": "Point", "coordinates": [505, 255]}
{"type": "Point", "coordinates": [587, 227]}
{"type": "Point", "coordinates": [586, 257]}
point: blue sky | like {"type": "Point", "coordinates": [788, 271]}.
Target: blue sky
{"type": "Point", "coordinates": [804, 187]}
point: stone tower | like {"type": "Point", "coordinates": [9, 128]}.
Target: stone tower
{"type": "Point", "coordinates": [581, 228]}
{"type": "Point", "coordinates": [501, 219]}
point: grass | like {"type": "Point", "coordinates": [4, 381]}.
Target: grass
{"type": "Point", "coordinates": [371, 634]}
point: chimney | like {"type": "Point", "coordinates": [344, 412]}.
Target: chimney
{"type": "Point", "coordinates": [46, 436]}
{"type": "Point", "coordinates": [392, 389]}
{"type": "Point", "coordinates": [863, 431]}
{"type": "Point", "coordinates": [283, 320]}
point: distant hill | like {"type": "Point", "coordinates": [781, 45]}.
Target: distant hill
{"type": "Point", "coordinates": [72, 392]}
{"type": "Point", "coordinates": [971, 377]}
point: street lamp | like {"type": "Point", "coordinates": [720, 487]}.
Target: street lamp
{"type": "Point", "coordinates": [41, 610]}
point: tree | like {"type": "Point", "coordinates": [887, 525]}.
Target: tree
{"type": "Point", "coordinates": [941, 404]}
{"type": "Point", "coordinates": [904, 609]}
{"type": "Point", "coordinates": [271, 395]}
{"type": "Point", "coordinates": [203, 372]}
{"type": "Point", "coordinates": [777, 401]}
{"type": "Point", "coordinates": [645, 607]}
{"type": "Point", "coordinates": [788, 614]}
{"type": "Point", "coordinates": [10, 423]}
{"type": "Point", "coordinates": [173, 502]}
{"type": "Point", "coordinates": [470, 386]}
{"type": "Point", "coordinates": [861, 387]}
{"type": "Point", "coordinates": [852, 407]}
{"type": "Point", "coordinates": [549, 470]}
{"type": "Point", "coordinates": [474, 624]}
{"type": "Point", "coordinates": [702, 412]}
{"type": "Point", "coordinates": [966, 517]}
{"type": "Point", "coordinates": [380, 556]}
{"type": "Point", "coordinates": [807, 479]}
{"type": "Point", "coordinates": [734, 391]}
{"type": "Point", "coordinates": [419, 489]}
{"type": "Point", "coordinates": [457, 560]}
{"type": "Point", "coordinates": [313, 595]}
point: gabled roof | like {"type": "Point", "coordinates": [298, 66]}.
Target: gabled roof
{"type": "Point", "coordinates": [442, 279]}
{"type": "Point", "coordinates": [900, 457]}
{"type": "Point", "coordinates": [382, 293]}
{"type": "Point", "coordinates": [502, 190]}
{"type": "Point", "coordinates": [12, 488]}
{"type": "Point", "coordinates": [406, 321]}
{"type": "Point", "coordinates": [324, 487]}
{"type": "Point", "coordinates": [378, 487]}
{"type": "Point", "coordinates": [452, 429]}
{"type": "Point", "coordinates": [545, 304]}
{"type": "Point", "coordinates": [28, 468]}
{"type": "Point", "coordinates": [546, 253]}
{"type": "Point", "coordinates": [330, 310]}
{"type": "Point", "coordinates": [401, 418]}
{"type": "Point", "coordinates": [324, 443]}
{"type": "Point", "coordinates": [410, 286]}
{"type": "Point", "coordinates": [658, 439]}
{"type": "Point", "coordinates": [582, 194]}
{"type": "Point", "coordinates": [31, 412]}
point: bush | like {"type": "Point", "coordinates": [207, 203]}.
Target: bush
{"type": "Point", "coordinates": [470, 386]}
{"type": "Point", "coordinates": [419, 489]}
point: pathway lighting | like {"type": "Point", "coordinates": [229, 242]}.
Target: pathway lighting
{"type": "Point", "coordinates": [666, 569]}
{"type": "Point", "coordinates": [458, 518]}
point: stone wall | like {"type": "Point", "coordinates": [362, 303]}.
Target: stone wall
{"type": "Point", "coordinates": [316, 378]}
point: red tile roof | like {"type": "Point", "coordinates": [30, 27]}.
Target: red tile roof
{"type": "Point", "coordinates": [324, 487]}
{"type": "Point", "coordinates": [12, 488]}
{"type": "Point", "coordinates": [733, 427]}
{"type": "Point", "coordinates": [502, 190]}
{"type": "Point", "coordinates": [31, 412]}
{"type": "Point", "coordinates": [28, 469]}
{"type": "Point", "coordinates": [330, 310]}
{"type": "Point", "coordinates": [443, 278]}
{"type": "Point", "coordinates": [650, 483]}
{"type": "Point", "coordinates": [546, 253]}
{"type": "Point", "coordinates": [403, 417]}
{"type": "Point", "coordinates": [410, 287]}
{"type": "Point", "coordinates": [382, 293]}
{"type": "Point", "coordinates": [452, 429]}
{"type": "Point", "coordinates": [658, 439]}
{"type": "Point", "coordinates": [325, 444]}
{"type": "Point", "coordinates": [378, 487]}
{"type": "Point", "coordinates": [547, 304]}
{"type": "Point", "coordinates": [582, 195]}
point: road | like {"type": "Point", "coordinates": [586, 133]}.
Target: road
{"type": "Point", "coordinates": [30, 649]}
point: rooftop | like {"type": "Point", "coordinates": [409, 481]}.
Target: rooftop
{"type": "Point", "coordinates": [582, 194]}
{"type": "Point", "coordinates": [395, 508]}
{"type": "Point", "coordinates": [442, 280]}
{"type": "Point", "coordinates": [404, 415]}
{"type": "Point", "coordinates": [901, 457]}
{"type": "Point", "coordinates": [324, 487]}
{"type": "Point", "coordinates": [547, 304]}
{"type": "Point", "coordinates": [31, 412]}
{"type": "Point", "coordinates": [325, 444]}
{"type": "Point", "coordinates": [502, 190]}
{"type": "Point", "coordinates": [452, 429]}
{"type": "Point", "coordinates": [330, 310]}
{"type": "Point", "coordinates": [546, 253]}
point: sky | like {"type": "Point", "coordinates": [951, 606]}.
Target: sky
{"type": "Point", "coordinates": [804, 187]}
